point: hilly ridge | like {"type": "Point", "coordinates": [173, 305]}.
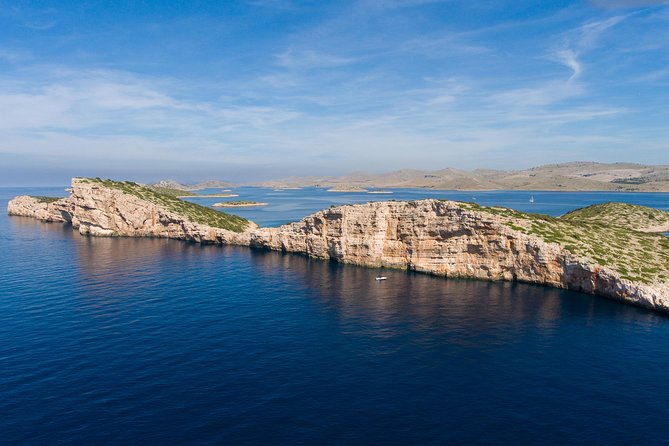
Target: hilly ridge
{"type": "Point", "coordinates": [573, 176]}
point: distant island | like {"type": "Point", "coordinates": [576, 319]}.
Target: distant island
{"type": "Point", "coordinates": [614, 250]}
{"type": "Point", "coordinates": [238, 204]}
{"type": "Point", "coordinates": [574, 176]}
{"type": "Point", "coordinates": [208, 196]}
{"type": "Point", "coordinates": [170, 189]}
{"type": "Point", "coordinates": [175, 185]}
{"type": "Point", "coordinates": [344, 188]}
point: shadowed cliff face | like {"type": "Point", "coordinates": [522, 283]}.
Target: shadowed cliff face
{"type": "Point", "coordinates": [437, 237]}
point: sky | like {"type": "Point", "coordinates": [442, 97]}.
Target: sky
{"type": "Point", "coordinates": [262, 89]}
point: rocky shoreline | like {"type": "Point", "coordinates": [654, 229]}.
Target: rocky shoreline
{"type": "Point", "coordinates": [443, 238]}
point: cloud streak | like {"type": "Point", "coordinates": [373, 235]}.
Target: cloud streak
{"type": "Point", "coordinates": [368, 86]}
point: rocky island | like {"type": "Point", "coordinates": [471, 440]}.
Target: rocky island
{"type": "Point", "coordinates": [613, 250]}
{"type": "Point", "coordinates": [237, 204]}
{"type": "Point", "coordinates": [345, 188]}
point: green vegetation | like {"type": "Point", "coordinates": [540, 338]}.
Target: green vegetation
{"type": "Point", "coordinates": [171, 191]}
{"type": "Point", "coordinates": [639, 218]}
{"type": "Point", "coordinates": [635, 180]}
{"type": "Point", "coordinates": [191, 211]}
{"type": "Point", "coordinates": [46, 200]}
{"type": "Point", "coordinates": [637, 256]}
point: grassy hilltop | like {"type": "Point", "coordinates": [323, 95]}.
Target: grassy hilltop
{"type": "Point", "coordinates": [623, 215]}
{"type": "Point", "coordinates": [611, 234]}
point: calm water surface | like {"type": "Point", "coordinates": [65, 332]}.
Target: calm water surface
{"type": "Point", "coordinates": [147, 341]}
{"type": "Point", "coordinates": [290, 205]}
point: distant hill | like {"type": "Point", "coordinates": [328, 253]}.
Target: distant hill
{"type": "Point", "coordinates": [212, 184]}
{"type": "Point", "coordinates": [170, 184]}
{"type": "Point", "coordinates": [175, 185]}
{"type": "Point", "coordinates": [574, 176]}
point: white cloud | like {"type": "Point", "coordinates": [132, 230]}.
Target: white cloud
{"type": "Point", "coordinates": [568, 58]}
{"type": "Point", "coordinates": [579, 41]}
{"type": "Point", "coordinates": [337, 96]}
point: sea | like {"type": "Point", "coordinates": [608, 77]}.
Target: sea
{"type": "Point", "coordinates": [122, 341]}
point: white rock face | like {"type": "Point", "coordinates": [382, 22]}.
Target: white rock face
{"type": "Point", "coordinates": [431, 236]}
{"type": "Point", "coordinates": [103, 211]}
{"type": "Point", "coordinates": [25, 206]}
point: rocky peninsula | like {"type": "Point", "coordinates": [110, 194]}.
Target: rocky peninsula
{"type": "Point", "coordinates": [610, 257]}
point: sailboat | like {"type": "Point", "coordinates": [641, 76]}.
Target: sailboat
{"type": "Point", "coordinates": [532, 199]}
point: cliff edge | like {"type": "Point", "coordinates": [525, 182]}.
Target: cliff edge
{"type": "Point", "coordinates": [446, 238]}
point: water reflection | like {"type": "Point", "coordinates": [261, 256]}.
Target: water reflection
{"type": "Point", "coordinates": [432, 304]}
{"type": "Point", "coordinates": [112, 270]}
{"type": "Point", "coordinates": [161, 340]}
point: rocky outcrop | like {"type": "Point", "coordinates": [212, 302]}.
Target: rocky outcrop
{"type": "Point", "coordinates": [42, 209]}
{"type": "Point", "coordinates": [103, 211]}
{"type": "Point", "coordinates": [432, 236]}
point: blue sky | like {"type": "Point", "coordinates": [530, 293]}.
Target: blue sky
{"type": "Point", "coordinates": [256, 89]}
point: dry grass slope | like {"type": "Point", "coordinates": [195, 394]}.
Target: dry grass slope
{"type": "Point", "coordinates": [639, 218]}
{"type": "Point", "coordinates": [637, 256]}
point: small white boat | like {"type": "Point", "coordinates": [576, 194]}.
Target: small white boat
{"type": "Point", "coordinates": [532, 199]}
{"type": "Point", "coordinates": [381, 278]}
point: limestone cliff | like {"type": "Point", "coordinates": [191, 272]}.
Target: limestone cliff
{"type": "Point", "coordinates": [439, 237]}
{"type": "Point", "coordinates": [453, 240]}
{"type": "Point", "coordinates": [42, 208]}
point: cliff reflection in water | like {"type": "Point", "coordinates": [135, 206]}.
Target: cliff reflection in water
{"type": "Point", "coordinates": [108, 266]}
{"type": "Point", "coordinates": [430, 303]}
{"type": "Point", "coordinates": [113, 270]}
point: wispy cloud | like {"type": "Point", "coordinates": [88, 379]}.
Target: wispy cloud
{"type": "Point", "coordinates": [364, 84]}
{"type": "Point", "coordinates": [568, 58]}
{"type": "Point", "coordinates": [309, 59]}
{"type": "Point", "coordinates": [13, 56]}
{"type": "Point", "coordinates": [577, 42]}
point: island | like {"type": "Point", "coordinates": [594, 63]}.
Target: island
{"type": "Point", "coordinates": [613, 250]}
{"type": "Point", "coordinates": [175, 185]}
{"type": "Point", "coordinates": [347, 189]}
{"type": "Point", "coordinates": [237, 204]}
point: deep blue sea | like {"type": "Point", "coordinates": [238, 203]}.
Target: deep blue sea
{"type": "Point", "coordinates": [147, 341]}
